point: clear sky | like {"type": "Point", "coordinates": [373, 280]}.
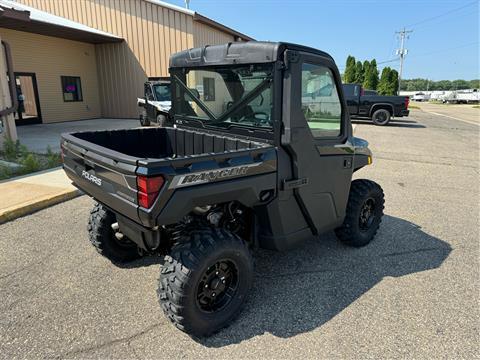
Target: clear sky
{"type": "Point", "coordinates": [444, 44]}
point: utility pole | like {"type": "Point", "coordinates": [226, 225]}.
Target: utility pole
{"type": "Point", "coordinates": [187, 4]}
{"type": "Point", "coordinates": [402, 52]}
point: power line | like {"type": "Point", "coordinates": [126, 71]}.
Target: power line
{"type": "Point", "coordinates": [388, 61]}
{"type": "Point", "coordinates": [441, 15]}
{"type": "Point", "coordinates": [444, 50]}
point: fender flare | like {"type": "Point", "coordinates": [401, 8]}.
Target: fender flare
{"type": "Point", "coordinates": [373, 108]}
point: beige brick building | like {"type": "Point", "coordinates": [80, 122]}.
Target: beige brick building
{"type": "Point", "coordinates": [84, 59]}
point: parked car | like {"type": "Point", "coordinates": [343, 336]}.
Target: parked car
{"type": "Point", "coordinates": [226, 181]}
{"type": "Point", "coordinates": [420, 96]}
{"type": "Point", "coordinates": [380, 109]}
{"type": "Point", "coordinates": [156, 103]}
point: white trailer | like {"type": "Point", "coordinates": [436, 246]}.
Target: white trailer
{"type": "Point", "coordinates": [468, 96]}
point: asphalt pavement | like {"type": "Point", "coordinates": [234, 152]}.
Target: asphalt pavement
{"type": "Point", "coordinates": [412, 293]}
{"type": "Point", "coordinates": [460, 112]}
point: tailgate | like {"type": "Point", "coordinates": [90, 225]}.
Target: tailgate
{"type": "Point", "coordinates": [104, 174]}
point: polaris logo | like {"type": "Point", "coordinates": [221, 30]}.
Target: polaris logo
{"type": "Point", "coordinates": [210, 176]}
{"type": "Point", "coordinates": [91, 178]}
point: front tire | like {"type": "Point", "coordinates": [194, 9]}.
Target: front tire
{"type": "Point", "coordinates": [363, 215]}
{"type": "Point", "coordinates": [102, 237]}
{"type": "Point", "coordinates": [381, 117]}
{"type": "Point", "coordinates": [144, 121]}
{"type": "Point", "coordinates": [205, 280]}
{"type": "Point", "coordinates": [161, 120]}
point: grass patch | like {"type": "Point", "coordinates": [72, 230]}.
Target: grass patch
{"type": "Point", "coordinates": [410, 106]}
{"type": "Point", "coordinates": [30, 162]}
{"type": "Point", "coordinates": [476, 106]}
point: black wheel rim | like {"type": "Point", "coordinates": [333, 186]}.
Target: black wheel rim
{"type": "Point", "coordinates": [217, 286]}
{"type": "Point", "coordinates": [381, 117]}
{"type": "Point", "coordinates": [367, 214]}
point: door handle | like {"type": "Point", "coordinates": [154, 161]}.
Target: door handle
{"type": "Point", "coordinates": [294, 184]}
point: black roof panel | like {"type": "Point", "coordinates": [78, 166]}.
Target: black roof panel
{"type": "Point", "coordinates": [250, 52]}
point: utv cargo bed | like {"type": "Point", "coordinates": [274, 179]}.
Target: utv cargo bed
{"type": "Point", "coordinates": [108, 166]}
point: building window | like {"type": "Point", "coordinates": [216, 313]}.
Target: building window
{"type": "Point", "coordinates": [72, 88]}
{"type": "Point", "coordinates": [208, 89]}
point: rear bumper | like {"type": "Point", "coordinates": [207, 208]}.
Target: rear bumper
{"type": "Point", "coordinates": [404, 113]}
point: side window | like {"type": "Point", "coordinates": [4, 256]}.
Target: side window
{"type": "Point", "coordinates": [71, 88]}
{"type": "Point", "coordinates": [320, 102]}
{"type": "Point", "coordinates": [148, 92]}
{"type": "Point", "coordinates": [356, 90]}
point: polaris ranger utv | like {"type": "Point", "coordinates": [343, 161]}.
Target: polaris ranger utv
{"type": "Point", "coordinates": [252, 162]}
{"type": "Point", "coordinates": [156, 103]}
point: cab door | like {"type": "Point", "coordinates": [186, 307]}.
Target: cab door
{"type": "Point", "coordinates": [150, 108]}
{"type": "Point", "coordinates": [316, 136]}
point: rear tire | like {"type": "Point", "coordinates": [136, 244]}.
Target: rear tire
{"type": "Point", "coordinates": [381, 117]}
{"type": "Point", "coordinates": [205, 280]}
{"type": "Point", "coordinates": [363, 215]}
{"type": "Point", "coordinates": [103, 238]}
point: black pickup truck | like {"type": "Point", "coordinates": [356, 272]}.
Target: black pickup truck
{"type": "Point", "coordinates": [267, 163]}
{"type": "Point", "coordinates": [380, 109]}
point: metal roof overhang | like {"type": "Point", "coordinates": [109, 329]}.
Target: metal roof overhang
{"type": "Point", "coordinates": [207, 21]}
{"type": "Point", "coordinates": [21, 21]}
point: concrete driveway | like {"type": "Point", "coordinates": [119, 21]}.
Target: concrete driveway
{"type": "Point", "coordinates": [38, 137]}
{"type": "Point", "coordinates": [412, 293]}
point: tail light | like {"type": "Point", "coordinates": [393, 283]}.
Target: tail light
{"type": "Point", "coordinates": [148, 189]}
{"type": "Point", "coordinates": [407, 102]}
{"type": "Point", "coordinates": [362, 91]}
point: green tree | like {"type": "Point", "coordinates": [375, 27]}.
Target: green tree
{"type": "Point", "coordinates": [419, 84]}
{"type": "Point", "coordinates": [474, 84]}
{"type": "Point", "coordinates": [383, 83]}
{"type": "Point", "coordinates": [371, 75]}
{"type": "Point", "coordinates": [444, 85]}
{"type": "Point", "coordinates": [358, 73]}
{"type": "Point", "coordinates": [388, 84]}
{"type": "Point", "coordinates": [393, 82]}
{"type": "Point", "coordinates": [366, 70]}
{"type": "Point", "coordinates": [349, 75]}
{"type": "Point", "coordinates": [460, 84]}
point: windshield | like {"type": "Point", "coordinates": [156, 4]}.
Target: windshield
{"type": "Point", "coordinates": [162, 92]}
{"type": "Point", "coordinates": [223, 96]}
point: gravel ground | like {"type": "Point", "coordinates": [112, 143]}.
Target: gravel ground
{"type": "Point", "coordinates": [412, 293]}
